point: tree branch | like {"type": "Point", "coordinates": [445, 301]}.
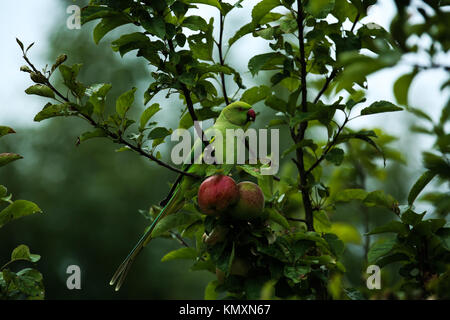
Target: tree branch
{"type": "Point", "coordinates": [298, 137]}
{"type": "Point", "coordinates": [221, 59]}
{"type": "Point", "coordinates": [328, 148]}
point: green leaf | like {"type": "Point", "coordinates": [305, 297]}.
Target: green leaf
{"type": "Point", "coordinates": [107, 24]}
{"type": "Point", "coordinates": [214, 3]}
{"type": "Point", "coordinates": [40, 90]}
{"type": "Point", "coordinates": [336, 245]}
{"type": "Point", "coordinates": [255, 94]}
{"type": "Point", "coordinates": [401, 87]}
{"type": "Point", "coordinates": [202, 44]}
{"type": "Point", "coordinates": [275, 216]}
{"type": "Point", "coordinates": [18, 209]}
{"type": "Point", "coordinates": [379, 249]}
{"type": "Point", "coordinates": [147, 114]}
{"type": "Point", "coordinates": [6, 158]}
{"type": "Point", "coordinates": [195, 23]}
{"type": "Point", "coordinates": [124, 102]}
{"type": "Point", "coordinates": [250, 27]}
{"type": "Point", "coordinates": [322, 222]}
{"type": "Point", "coordinates": [380, 199]}
{"type": "Point", "coordinates": [156, 26]}
{"type": "Point", "coordinates": [159, 133]}
{"type": "Point", "coordinates": [276, 103]}
{"type": "Point", "coordinates": [210, 290]}
{"type": "Point", "coordinates": [350, 194]}
{"type": "Point", "coordinates": [319, 8]}
{"type": "Point", "coordinates": [346, 232]}
{"type": "Point", "coordinates": [411, 218]}
{"type": "Point", "coordinates": [183, 253]}
{"type": "Point", "coordinates": [265, 61]}
{"type": "Point", "coordinates": [97, 133]}
{"type": "Point", "coordinates": [336, 156]}
{"type": "Point", "coordinates": [419, 185]}
{"type": "Point", "coordinates": [69, 75]}
{"type": "Point", "coordinates": [392, 226]}
{"type": "Point", "coordinates": [97, 94]}
{"type": "Point", "coordinates": [380, 107]}
{"type": "Point", "coordinates": [5, 130]}
{"type": "Point", "coordinates": [54, 110]}
{"type": "Point", "coordinates": [22, 252]}
{"type": "Point", "coordinates": [262, 8]}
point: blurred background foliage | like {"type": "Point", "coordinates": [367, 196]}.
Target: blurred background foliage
{"type": "Point", "coordinates": [91, 195]}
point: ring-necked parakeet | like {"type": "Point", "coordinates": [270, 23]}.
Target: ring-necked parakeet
{"type": "Point", "coordinates": [237, 115]}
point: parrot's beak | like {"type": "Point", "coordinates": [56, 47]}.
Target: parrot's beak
{"type": "Point", "coordinates": [251, 115]}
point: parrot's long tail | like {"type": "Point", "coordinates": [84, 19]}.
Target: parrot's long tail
{"type": "Point", "coordinates": [122, 271]}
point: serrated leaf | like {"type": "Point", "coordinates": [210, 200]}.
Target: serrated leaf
{"type": "Point", "coordinates": [421, 183]}
{"type": "Point", "coordinates": [40, 90]}
{"type": "Point", "coordinates": [380, 107]}
{"type": "Point", "coordinates": [18, 209]}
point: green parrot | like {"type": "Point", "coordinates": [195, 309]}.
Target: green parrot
{"type": "Point", "coordinates": [236, 115]}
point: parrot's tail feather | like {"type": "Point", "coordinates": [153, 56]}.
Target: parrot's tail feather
{"type": "Point", "coordinates": [122, 271]}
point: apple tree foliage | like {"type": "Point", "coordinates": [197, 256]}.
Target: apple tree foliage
{"type": "Point", "coordinates": [26, 283]}
{"type": "Point", "coordinates": [318, 57]}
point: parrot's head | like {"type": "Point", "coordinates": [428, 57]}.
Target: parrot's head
{"type": "Point", "coordinates": [239, 113]}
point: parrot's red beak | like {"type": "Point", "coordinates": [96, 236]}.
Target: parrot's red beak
{"type": "Point", "coordinates": [251, 115]}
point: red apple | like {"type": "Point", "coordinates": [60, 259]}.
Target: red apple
{"type": "Point", "coordinates": [251, 202]}
{"type": "Point", "coordinates": [216, 194]}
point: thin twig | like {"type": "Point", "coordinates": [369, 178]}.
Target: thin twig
{"type": "Point", "coordinates": [110, 134]}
